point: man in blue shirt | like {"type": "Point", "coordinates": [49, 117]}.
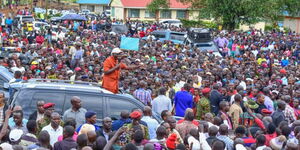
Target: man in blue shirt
{"type": "Point", "coordinates": [90, 118]}
{"type": "Point", "coordinates": [124, 120]}
{"type": "Point", "coordinates": [183, 100]}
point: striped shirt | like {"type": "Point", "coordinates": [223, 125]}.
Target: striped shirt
{"type": "Point", "coordinates": [143, 95]}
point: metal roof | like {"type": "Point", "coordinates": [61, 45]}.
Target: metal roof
{"type": "Point", "coordinates": [98, 2]}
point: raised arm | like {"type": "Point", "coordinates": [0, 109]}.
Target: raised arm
{"type": "Point", "coordinates": [5, 124]}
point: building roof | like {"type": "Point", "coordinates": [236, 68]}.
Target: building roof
{"type": "Point", "coordinates": [174, 4]}
{"type": "Point", "coordinates": [98, 2]}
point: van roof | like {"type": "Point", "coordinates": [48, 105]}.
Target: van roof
{"type": "Point", "coordinates": [61, 85]}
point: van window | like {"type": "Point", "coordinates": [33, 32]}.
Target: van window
{"type": "Point", "coordinates": [24, 99]}
{"type": "Point", "coordinates": [116, 106]}
{"type": "Point", "coordinates": [2, 81]}
{"type": "Point", "coordinates": [177, 36]}
{"type": "Point", "coordinates": [159, 35]}
{"type": "Point", "coordinates": [27, 18]}
{"type": "Point", "coordinates": [56, 97]}
{"type": "Point", "coordinates": [88, 101]}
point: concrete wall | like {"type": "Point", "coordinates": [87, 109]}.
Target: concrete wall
{"type": "Point", "coordinates": [97, 8]}
{"type": "Point", "coordinates": [292, 23]}
{"type": "Point", "coordinates": [259, 25]}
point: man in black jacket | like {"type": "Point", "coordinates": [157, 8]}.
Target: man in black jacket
{"type": "Point", "coordinates": [278, 115]}
{"type": "Point", "coordinates": [39, 113]}
{"type": "Point", "coordinates": [215, 98]}
{"type": "Point", "coordinates": [106, 129]}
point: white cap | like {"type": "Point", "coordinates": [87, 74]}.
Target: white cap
{"type": "Point", "coordinates": [116, 51]}
{"type": "Point", "coordinates": [240, 147]}
{"type": "Point", "coordinates": [15, 135]}
{"type": "Point", "coordinates": [6, 146]}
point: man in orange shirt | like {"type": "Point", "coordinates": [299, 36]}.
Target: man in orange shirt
{"type": "Point", "coordinates": [112, 67]}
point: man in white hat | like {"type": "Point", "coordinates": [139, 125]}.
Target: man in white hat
{"type": "Point", "coordinates": [112, 67]}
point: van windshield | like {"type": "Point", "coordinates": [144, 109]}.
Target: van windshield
{"type": "Point", "coordinates": [27, 19]}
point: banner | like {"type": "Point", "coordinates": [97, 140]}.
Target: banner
{"type": "Point", "coordinates": [128, 43]}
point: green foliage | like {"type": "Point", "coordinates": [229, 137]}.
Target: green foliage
{"type": "Point", "coordinates": [199, 24]}
{"type": "Point", "coordinates": [234, 12]}
{"type": "Point", "coordinates": [155, 5]}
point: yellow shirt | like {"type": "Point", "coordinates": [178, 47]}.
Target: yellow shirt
{"type": "Point", "coordinates": [260, 60]}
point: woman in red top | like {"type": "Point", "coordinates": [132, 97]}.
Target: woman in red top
{"type": "Point", "coordinates": [296, 107]}
{"type": "Point", "coordinates": [196, 98]}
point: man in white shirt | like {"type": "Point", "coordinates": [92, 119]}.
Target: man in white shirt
{"type": "Point", "coordinates": [151, 123]}
{"type": "Point", "coordinates": [54, 129]}
{"type": "Point", "coordinates": [161, 102]}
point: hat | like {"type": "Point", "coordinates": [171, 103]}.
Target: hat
{"type": "Point", "coordinates": [208, 73]}
{"type": "Point", "coordinates": [240, 147]}
{"type": "Point", "coordinates": [90, 114]}
{"type": "Point", "coordinates": [266, 111]}
{"type": "Point", "coordinates": [116, 51]}
{"type": "Point", "coordinates": [249, 79]}
{"type": "Point", "coordinates": [48, 105]}
{"type": "Point", "coordinates": [85, 128]}
{"type": "Point", "coordinates": [282, 71]}
{"type": "Point", "coordinates": [171, 141]}
{"type": "Point", "coordinates": [34, 63]}
{"type": "Point", "coordinates": [138, 60]}
{"type": "Point", "coordinates": [251, 104]}
{"type": "Point", "coordinates": [77, 69]}
{"type": "Point", "coordinates": [15, 135]}
{"type": "Point", "coordinates": [135, 115]}
{"type": "Point", "coordinates": [69, 72]}
{"type": "Point", "coordinates": [275, 91]}
{"type": "Point", "coordinates": [6, 146]}
{"type": "Point", "coordinates": [206, 90]}
{"type": "Point", "coordinates": [277, 142]}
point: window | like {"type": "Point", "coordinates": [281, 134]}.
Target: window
{"type": "Point", "coordinates": [165, 14]}
{"type": "Point", "coordinates": [93, 102]}
{"type": "Point", "coordinates": [91, 8]}
{"type": "Point", "coordinates": [116, 106]}
{"type": "Point", "coordinates": [149, 14]}
{"type": "Point", "coordinates": [159, 35]}
{"type": "Point", "coordinates": [134, 13]}
{"type": "Point", "coordinates": [56, 97]}
{"type": "Point", "coordinates": [181, 14]}
{"type": "Point", "coordinates": [177, 36]}
{"type": "Point", "coordinates": [2, 81]}
{"type": "Point", "coordinates": [112, 11]}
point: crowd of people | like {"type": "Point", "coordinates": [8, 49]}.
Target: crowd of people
{"type": "Point", "coordinates": [246, 99]}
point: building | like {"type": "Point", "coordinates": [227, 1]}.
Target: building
{"type": "Point", "coordinates": [96, 6]}
{"type": "Point", "coordinates": [137, 9]}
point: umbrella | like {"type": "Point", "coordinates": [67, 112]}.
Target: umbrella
{"type": "Point", "coordinates": [73, 17]}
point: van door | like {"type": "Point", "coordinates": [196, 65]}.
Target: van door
{"type": "Point", "coordinates": [117, 104]}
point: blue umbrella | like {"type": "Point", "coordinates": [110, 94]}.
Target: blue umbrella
{"type": "Point", "coordinates": [73, 17]}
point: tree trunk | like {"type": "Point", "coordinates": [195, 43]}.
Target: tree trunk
{"type": "Point", "coordinates": [157, 15]}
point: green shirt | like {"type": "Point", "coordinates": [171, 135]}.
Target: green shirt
{"type": "Point", "coordinates": [203, 107]}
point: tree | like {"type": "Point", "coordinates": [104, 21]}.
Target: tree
{"type": "Point", "coordinates": [234, 12]}
{"type": "Point", "coordinates": [156, 5]}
